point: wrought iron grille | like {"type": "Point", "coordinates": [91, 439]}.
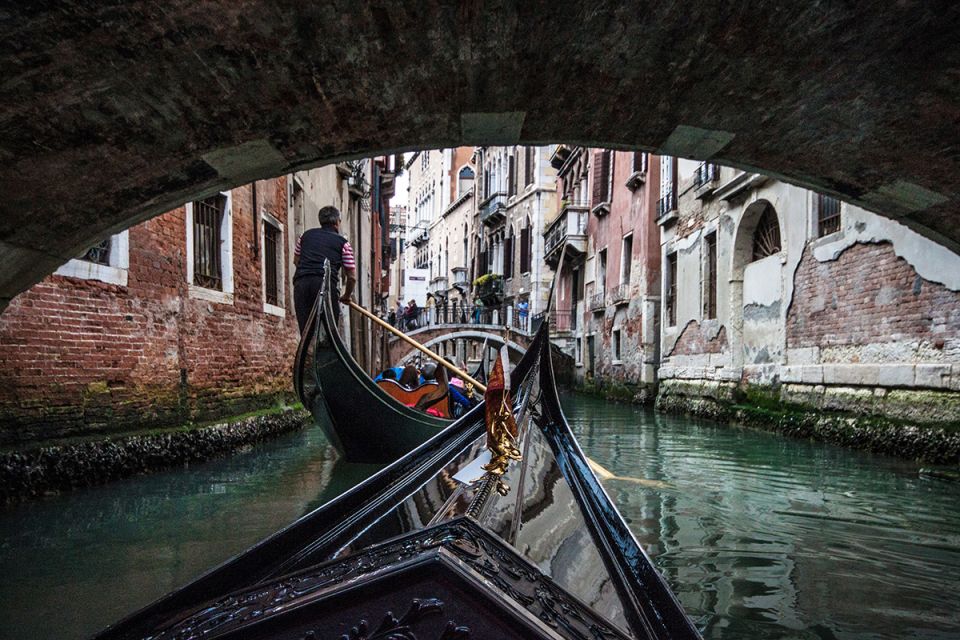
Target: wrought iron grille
{"type": "Point", "coordinates": [666, 204]}
{"type": "Point", "coordinates": [207, 220]}
{"type": "Point", "coordinates": [706, 172]}
{"type": "Point", "coordinates": [828, 215]}
{"type": "Point", "coordinates": [271, 271]}
{"type": "Point", "coordinates": [766, 238]}
{"type": "Point", "coordinates": [98, 253]}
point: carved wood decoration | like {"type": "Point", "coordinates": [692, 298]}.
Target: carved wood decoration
{"type": "Point", "coordinates": [459, 549]}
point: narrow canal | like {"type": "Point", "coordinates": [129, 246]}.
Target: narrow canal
{"type": "Point", "coordinates": [760, 537]}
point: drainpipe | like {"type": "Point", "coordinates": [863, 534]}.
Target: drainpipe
{"type": "Point", "coordinates": [256, 234]}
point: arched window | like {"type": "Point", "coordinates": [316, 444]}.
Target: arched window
{"type": "Point", "coordinates": [766, 237]}
{"type": "Point", "coordinates": [465, 180]}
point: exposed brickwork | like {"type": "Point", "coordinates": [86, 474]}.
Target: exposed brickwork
{"type": "Point", "coordinates": [696, 339]}
{"type": "Point", "coordinates": [80, 355]}
{"type": "Point", "coordinates": [869, 295]}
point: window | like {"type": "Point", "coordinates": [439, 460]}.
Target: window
{"type": "Point", "coordinates": [828, 215]}
{"type": "Point", "coordinates": [207, 220]}
{"type": "Point", "coordinates": [601, 284]}
{"type": "Point", "coordinates": [98, 253]}
{"type": "Point", "coordinates": [107, 261]}
{"type": "Point", "coordinates": [670, 304]}
{"type": "Point", "coordinates": [508, 255]}
{"type": "Point", "coordinates": [626, 258]}
{"type": "Point", "coordinates": [668, 186]}
{"type": "Point", "coordinates": [601, 176]}
{"type": "Point", "coordinates": [766, 237]}
{"type": "Point", "coordinates": [529, 166]}
{"type": "Point", "coordinates": [640, 162]}
{"type": "Point", "coordinates": [525, 248]}
{"type": "Point", "coordinates": [617, 344]}
{"type": "Point", "coordinates": [464, 180]}
{"type": "Point", "coordinates": [710, 277]}
{"type": "Point", "coordinates": [273, 299]}
{"type": "Point", "coordinates": [210, 248]}
{"type": "Point", "coordinates": [512, 175]}
{"type": "Point", "coordinates": [579, 351]}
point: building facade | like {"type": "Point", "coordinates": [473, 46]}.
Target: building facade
{"type": "Point", "coordinates": [770, 286]}
{"type": "Point", "coordinates": [185, 317]}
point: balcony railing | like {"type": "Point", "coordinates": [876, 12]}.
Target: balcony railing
{"type": "Point", "coordinates": [419, 237]}
{"type": "Point", "coordinates": [706, 173]}
{"type": "Point", "coordinates": [489, 288]}
{"type": "Point", "coordinates": [597, 302]}
{"type": "Point", "coordinates": [666, 204]}
{"type": "Point", "coordinates": [620, 294]}
{"type": "Point", "coordinates": [492, 209]}
{"type": "Point", "coordinates": [569, 227]}
{"type": "Point", "coordinates": [459, 276]}
{"type": "Point", "coordinates": [439, 284]}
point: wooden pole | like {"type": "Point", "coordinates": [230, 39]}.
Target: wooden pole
{"type": "Point", "coordinates": [386, 325]}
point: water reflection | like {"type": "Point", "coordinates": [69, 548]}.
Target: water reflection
{"type": "Point", "coordinates": [760, 537]}
{"type": "Point", "coordinates": [75, 563]}
{"type": "Point", "coordinates": [763, 537]}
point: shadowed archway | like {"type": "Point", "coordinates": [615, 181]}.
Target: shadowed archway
{"type": "Point", "coordinates": [117, 111]}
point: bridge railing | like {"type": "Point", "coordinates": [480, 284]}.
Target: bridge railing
{"type": "Point", "coordinates": [456, 313]}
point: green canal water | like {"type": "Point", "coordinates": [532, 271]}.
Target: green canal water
{"type": "Point", "coordinates": [760, 537]}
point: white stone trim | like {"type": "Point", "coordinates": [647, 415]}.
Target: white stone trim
{"type": "Point", "coordinates": [277, 310]}
{"type": "Point", "coordinates": [117, 272]}
{"type": "Point", "coordinates": [226, 255]}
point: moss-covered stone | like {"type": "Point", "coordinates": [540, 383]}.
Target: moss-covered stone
{"type": "Point", "coordinates": [642, 394]}
{"type": "Point", "coordinates": [58, 467]}
{"type": "Point", "coordinates": [854, 422]}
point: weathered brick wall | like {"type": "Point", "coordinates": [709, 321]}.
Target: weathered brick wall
{"type": "Point", "coordinates": [81, 355]}
{"type": "Point", "coordinates": [868, 297]}
{"type": "Point", "coordinates": [697, 339]}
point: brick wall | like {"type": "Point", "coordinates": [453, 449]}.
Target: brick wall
{"type": "Point", "coordinates": [869, 296]}
{"type": "Point", "coordinates": [696, 339]}
{"type": "Point", "coordinates": [80, 356]}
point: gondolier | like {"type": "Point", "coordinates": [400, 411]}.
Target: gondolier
{"type": "Point", "coordinates": [313, 248]}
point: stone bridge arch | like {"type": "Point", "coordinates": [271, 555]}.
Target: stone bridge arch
{"type": "Point", "coordinates": [113, 113]}
{"type": "Point", "coordinates": [495, 335]}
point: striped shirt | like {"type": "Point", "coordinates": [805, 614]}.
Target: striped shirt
{"type": "Point", "coordinates": [346, 255]}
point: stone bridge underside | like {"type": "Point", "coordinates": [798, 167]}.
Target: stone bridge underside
{"type": "Point", "coordinates": [112, 112]}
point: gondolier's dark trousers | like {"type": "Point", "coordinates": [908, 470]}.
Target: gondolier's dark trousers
{"type": "Point", "coordinates": [305, 291]}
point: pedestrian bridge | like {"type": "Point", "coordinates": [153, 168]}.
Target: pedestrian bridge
{"type": "Point", "coordinates": [461, 341]}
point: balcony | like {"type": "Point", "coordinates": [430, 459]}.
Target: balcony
{"type": "Point", "coordinates": [489, 288]}
{"type": "Point", "coordinates": [705, 179]}
{"type": "Point", "coordinates": [597, 302]}
{"type": "Point", "coordinates": [559, 156]}
{"type": "Point", "coordinates": [493, 209]}
{"type": "Point", "coordinates": [439, 285]}
{"type": "Point", "coordinates": [620, 294]}
{"type": "Point", "coordinates": [460, 277]}
{"type": "Point", "coordinates": [667, 208]}
{"type": "Point", "coordinates": [570, 228]}
{"type": "Point", "coordinates": [418, 237]}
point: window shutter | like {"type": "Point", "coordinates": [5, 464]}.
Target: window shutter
{"type": "Point", "coordinates": [508, 257]}
{"type": "Point", "coordinates": [673, 172]}
{"type": "Point", "coordinates": [529, 166]}
{"type": "Point", "coordinates": [525, 250]}
{"type": "Point", "coordinates": [601, 177]}
{"type": "Point", "coordinates": [512, 176]}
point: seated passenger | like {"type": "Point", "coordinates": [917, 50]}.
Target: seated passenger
{"type": "Point", "coordinates": [410, 378]}
{"type": "Point", "coordinates": [393, 373]}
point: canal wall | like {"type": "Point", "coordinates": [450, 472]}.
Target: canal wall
{"type": "Point", "coordinates": [135, 343]}
{"type": "Point", "coordinates": [53, 469]}
{"type": "Point", "coordinates": [909, 423]}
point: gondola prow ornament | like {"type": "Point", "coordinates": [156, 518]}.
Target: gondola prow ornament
{"type": "Point", "coordinates": [501, 425]}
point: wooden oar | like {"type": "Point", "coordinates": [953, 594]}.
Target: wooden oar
{"type": "Point", "coordinates": [386, 325]}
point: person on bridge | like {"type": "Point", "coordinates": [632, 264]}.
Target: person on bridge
{"type": "Point", "coordinates": [313, 247]}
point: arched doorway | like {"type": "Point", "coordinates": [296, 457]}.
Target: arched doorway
{"type": "Point", "coordinates": [757, 291]}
